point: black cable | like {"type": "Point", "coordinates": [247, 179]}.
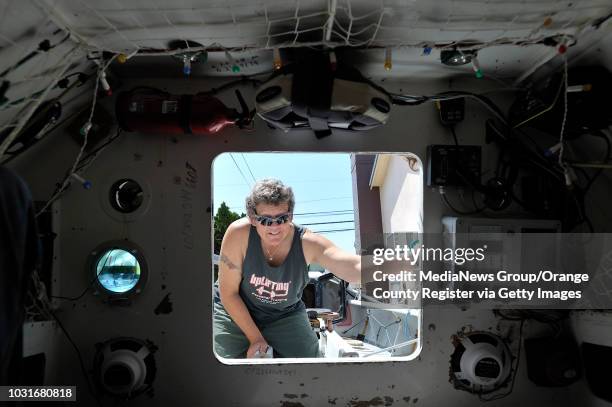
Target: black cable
{"type": "Point", "coordinates": [43, 46]}
{"type": "Point", "coordinates": [358, 323]}
{"type": "Point", "coordinates": [58, 189]}
{"type": "Point", "coordinates": [452, 129]}
{"type": "Point", "coordinates": [89, 285]}
{"type": "Point", "coordinates": [63, 83]}
{"type": "Point", "coordinates": [580, 206]}
{"type": "Point", "coordinates": [606, 158]}
{"type": "Point", "coordinates": [82, 161]}
{"type": "Point", "coordinates": [518, 361]}
{"type": "Point", "coordinates": [485, 101]}
{"type": "Point", "coordinates": [450, 206]}
{"type": "Point", "coordinates": [78, 352]}
{"type": "Point", "coordinates": [476, 208]}
{"type": "Point", "coordinates": [520, 154]}
{"type": "Point", "coordinates": [79, 296]}
{"type": "Point", "coordinates": [232, 84]}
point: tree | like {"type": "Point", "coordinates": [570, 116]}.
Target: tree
{"type": "Point", "coordinates": [222, 220]}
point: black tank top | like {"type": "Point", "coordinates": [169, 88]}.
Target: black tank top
{"type": "Point", "coordinates": [269, 292]}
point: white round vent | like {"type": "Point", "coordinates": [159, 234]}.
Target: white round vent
{"type": "Point", "coordinates": [125, 367]}
{"type": "Point", "coordinates": [481, 362]}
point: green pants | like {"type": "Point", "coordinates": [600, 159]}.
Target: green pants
{"type": "Point", "coordinates": [289, 337]}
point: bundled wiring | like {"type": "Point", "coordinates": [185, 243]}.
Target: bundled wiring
{"type": "Point", "coordinates": [543, 316]}
{"type": "Point", "coordinates": [63, 83]}
{"type": "Point", "coordinates": [82, 165]}
{"type": "Point", "coordinates": [516, 156]}
{"type": "Point", "coordinates": [23, 118]}
{"type": "Point", "coordinates": [101, 69]}
{"type": "Point", "coordinates": [39, 307]}
{"type": "Point", "coordinates": [413, 100]}
{"type": "Point", "coordinates": [43, 46]}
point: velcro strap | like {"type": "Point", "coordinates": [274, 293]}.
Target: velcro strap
{"type": "Point", "coordinates": [319, 126]}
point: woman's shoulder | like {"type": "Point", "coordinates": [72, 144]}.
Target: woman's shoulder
{"type": "Point", "coordinates": [236, 236]}
{"type": "Point", "coordinates": [240, 227]}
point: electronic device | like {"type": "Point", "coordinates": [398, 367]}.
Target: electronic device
{"type": "Point", "coordinates": [451, 165]}
{"type": "Point", "coordinates": [452, 111]}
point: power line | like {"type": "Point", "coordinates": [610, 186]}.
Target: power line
{"type": "Point", "coordinates": [248, 167]}
{"type": "Point", "coordinates": [314, 181]}
{"type": "Point", "coordinates": [326, 223]}
{"type": "Point", "coordinates": [325, 212]}
{"type": "Point", "coordinates": [313, 213]}
{"type": "Point", "coordinates": [332, 231]}
{"type": "Point", "coordinates": [241, 173]}
{"type": "Point", "coordinates": [325, 199]}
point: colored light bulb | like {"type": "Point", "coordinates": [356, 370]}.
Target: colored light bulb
{"type": "Point", "coordinates": [278, 62]}
{"type": "Point", "coordinates": [388, 59]}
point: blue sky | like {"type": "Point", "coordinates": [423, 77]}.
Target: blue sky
{"type": "Point", "coordinates": [321, 183]}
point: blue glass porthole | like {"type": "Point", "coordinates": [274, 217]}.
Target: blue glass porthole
{"type": "Point", "coordinates": [118, 270]}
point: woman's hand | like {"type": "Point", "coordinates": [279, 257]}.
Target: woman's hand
{"type": "Point", "coordinates": [258, 345]}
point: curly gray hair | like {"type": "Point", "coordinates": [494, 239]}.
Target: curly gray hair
{"type": "Point", "coordinates": [269, 191]}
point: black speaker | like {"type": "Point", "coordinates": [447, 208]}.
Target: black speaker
{"type": "Point", "coordinates": [552, 362]}
{"type": "Point", "coordinates": [597, 362]}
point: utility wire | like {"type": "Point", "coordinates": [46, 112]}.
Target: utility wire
{"type": "Point", "coordinates": [239, 170]}
{"type": "Point", "coordinates": [332, 231]}
{"type": "Point", "coordinates": [248, 167]}
{"type": "Point", "coordinates": [327, 223]}
{"type": "Point", "coordinates": [324, 212]}
{"type": "Point", "coordinates": [325, 199]}
{"type": "Point", "coordinates": [302, 202]}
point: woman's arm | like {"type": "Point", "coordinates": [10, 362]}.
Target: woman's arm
{"type": "Point", "coordinates": [321, 250]}
{"type": "Point", "coordinates": [230, 275]}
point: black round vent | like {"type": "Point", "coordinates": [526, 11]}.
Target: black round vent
{"type": "Point", "coordinates": [268, 93]}
{"type": "Point", "coordinates": [381, 105]}
{"type": "Point", "coordinates": [126, 195]}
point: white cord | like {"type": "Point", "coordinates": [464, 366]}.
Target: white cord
{"type": "Point", "coordinates": [88, 125]}
{"type": "Point", "coordinates": [562, 135]}
{"type": "Point", "coordinates": [567, 171]}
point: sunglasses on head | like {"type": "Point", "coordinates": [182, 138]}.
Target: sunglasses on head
{"type": "Point", "coordinates": [269, 221]}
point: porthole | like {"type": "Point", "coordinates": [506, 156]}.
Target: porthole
{"type": "Point", "coordinates": [126, 195]}
{"type": "Point", "coordinates": [119, 269]}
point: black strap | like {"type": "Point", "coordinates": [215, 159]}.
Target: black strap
{"type": "Point", "coordinates": [319, 126]}
{"type": "Point", "coordinates": [185, 113]}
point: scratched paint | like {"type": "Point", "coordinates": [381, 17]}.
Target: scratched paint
{"type": "Point", "coordinates": [165, 306]}
{"type": "Point", "coordinates": [189, 185]}
{"type": "Point", "coordinates": [376, 401]}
